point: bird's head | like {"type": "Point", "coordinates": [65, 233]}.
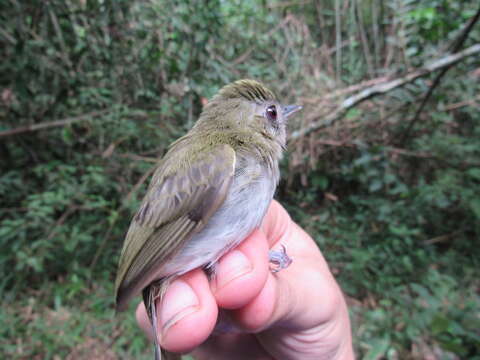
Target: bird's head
{"type": "Point", "coordinates": [248, 106]}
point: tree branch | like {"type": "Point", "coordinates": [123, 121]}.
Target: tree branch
{"type": "Point", "coordinates": [52, 124]}
{"type": "Point", "coordinates": [383, 88]}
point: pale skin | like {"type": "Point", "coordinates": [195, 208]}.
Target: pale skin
{"type": "Point", "coordinates": [296, 313]}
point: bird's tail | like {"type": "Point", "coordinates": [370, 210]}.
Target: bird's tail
{"type": "Point", "coordinates": [151, 294]}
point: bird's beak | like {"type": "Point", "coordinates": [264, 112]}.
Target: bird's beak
{"type": "Point", "coordinates": [290, 109]}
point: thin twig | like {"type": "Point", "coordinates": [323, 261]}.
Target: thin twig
{"type": "Point", "coordinates": [383, 88]}
{"type": "Point", "coordinates": [70, 210]}
{"type": "Point", "coordinates": [454, 106]}
{"type": "Point", "coordinates": [247, 53]}
{"type": "Point", "coordinates": [288, 3]}
{"type": "Point", "coordinates": [138, 157]}
{"type": "Point", "coordinates": [442, 238]}
{"type": "Point", "coordinates": [125, 201]}
{"type": "Point", "coordinates": [102, 245]}
{"type": "Point", "coordinates": [338, 42]}
{"type": "Point", "coordinates": [376, 33]}
{"type": "Point", "coordinates": [347, 90]}
{"type": "Point", "coordinates": [364, 41]}
{"type": "Point", "coordinates": [404, 152]}
{"type": "Point", "coordinates": [64, 53]}
{"type": "Point", "coordinates": [139, 183]}
{"type": "Point", "coordinates": [53, 124]}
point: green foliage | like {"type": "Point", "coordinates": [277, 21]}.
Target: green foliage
{"type": "Point", "coordinates": [407, 240]}
{"type": "Point", "coordinates": [381, 238]}
{"type": "Point", "coordinates": [432, 310]}
{"type": "Point", "coordinates": [401, 230]}
{"type": "Point", "coordinates": [83, 332]}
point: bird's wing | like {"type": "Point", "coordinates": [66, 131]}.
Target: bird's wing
{"type": "Point", "coordinates": [175, 207]}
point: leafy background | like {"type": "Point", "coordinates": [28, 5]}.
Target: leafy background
{"type": "Point", "coordinates": [93, 91]}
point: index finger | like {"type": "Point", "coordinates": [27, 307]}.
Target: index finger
{"type": "Point", "coordinates": [276, 224]}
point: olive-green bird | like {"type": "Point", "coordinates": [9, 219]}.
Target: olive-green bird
{"type": "Point", "coordinates": [209, 192]}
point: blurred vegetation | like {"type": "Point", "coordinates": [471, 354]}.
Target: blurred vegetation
{"type": "Point", "coordinates": [93, 91]}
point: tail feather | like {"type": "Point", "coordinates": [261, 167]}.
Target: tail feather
{"type": "Point", "coordinates": [150, 295]}
{"type": "Point", "coordinates": [153, 319]}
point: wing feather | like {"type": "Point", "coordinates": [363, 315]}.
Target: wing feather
{"type": "Point", "coordinates": [175, 208]}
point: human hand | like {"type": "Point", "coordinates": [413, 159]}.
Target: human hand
{"type": "Point", "coordinates": [297, 313]}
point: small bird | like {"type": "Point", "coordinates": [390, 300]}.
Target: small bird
{"type": "Point", "coordinates": [208, 193]}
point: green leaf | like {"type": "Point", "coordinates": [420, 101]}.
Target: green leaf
{"type": "Point", "coordinates": [475, 206]}
{"type": "Point", "coordinates": [353, 113]}
{"type": "Point", "coordinates": [378, 349]}
{"type": "Point", "coordinates": [320, 181]}
{"type": "Point", "coordinates": [375, 185]}
{"type": "Point", "coordinates": [474, 173]}
{"type": "Point", "coordinates": [439, 324]}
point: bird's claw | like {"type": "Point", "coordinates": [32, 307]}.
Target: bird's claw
{"type": "Point", "coordinates": [279, 259]}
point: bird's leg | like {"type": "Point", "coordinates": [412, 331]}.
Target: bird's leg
{"type": "Point", "coordinates": [279, 259]}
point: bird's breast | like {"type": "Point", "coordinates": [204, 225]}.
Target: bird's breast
{"type": "Point", "coordinates": [245, 206]}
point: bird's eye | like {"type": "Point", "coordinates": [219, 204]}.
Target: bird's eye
{"type": "Point", "coordinates": [271, 113]}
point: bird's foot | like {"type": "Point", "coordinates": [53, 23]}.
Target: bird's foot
{"type": "Point", "coordinates": [279, 259]}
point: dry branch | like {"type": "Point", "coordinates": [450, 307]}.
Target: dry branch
{"type": "Point", "coordinates": [472, 102]}
{"type": "Point", "coordinates": [134, 157]}
{"type": "Point", "coordinates": [139, 183]}
{"type": "Point", "coordinates": [456, 48]}
{"type": "Point", "coordinates": [52, 124]}
{"type": "Point", "coordinates": [383, 88]}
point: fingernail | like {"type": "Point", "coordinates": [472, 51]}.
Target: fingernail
{"type": "Point", "coordinates": [179, 301]}
{"type": "Point", "coordinates": [232, 266]}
